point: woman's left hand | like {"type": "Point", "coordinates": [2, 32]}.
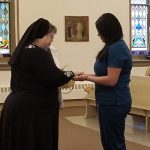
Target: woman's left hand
{"type": "Point", "coordinates": [81, 77]}
{"type": "Point", "coordinates": [78, 73]}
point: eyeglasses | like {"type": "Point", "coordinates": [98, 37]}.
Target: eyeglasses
{"type": "Point", "coordinates": [51, 35]}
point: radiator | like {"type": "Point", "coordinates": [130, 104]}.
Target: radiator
{"type": "Point", "coordinates": [4, 91]}
{"type": "Point", "coordinates": [77, 92]}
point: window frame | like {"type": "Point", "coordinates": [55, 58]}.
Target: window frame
{"type": "Point", "coordinates": [141, 59]}
{"type": "Point", "coordinates": [14, 31]}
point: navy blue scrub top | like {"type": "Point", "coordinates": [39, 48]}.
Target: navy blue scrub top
{"type": "Point", "coordinates": [118, 56]}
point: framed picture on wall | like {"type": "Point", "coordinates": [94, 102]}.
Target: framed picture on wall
{"type": "Point", "coordinates": [76, 28]}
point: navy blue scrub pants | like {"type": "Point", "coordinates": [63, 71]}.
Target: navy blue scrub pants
{"type": "Point", "coordinates": [112, 126]}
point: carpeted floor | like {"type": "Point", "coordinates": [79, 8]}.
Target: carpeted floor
{"type": "Point", "coordinates": [75, 137]}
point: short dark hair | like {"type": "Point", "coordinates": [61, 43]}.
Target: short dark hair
{"type": "Point", "coordinates": [109, 27]}
{"type": "Point", "coordinates": [52, 28]}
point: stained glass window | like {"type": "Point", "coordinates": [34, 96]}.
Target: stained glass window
{"type": "Point", "coordinates": [139, 27]}
{"type": "Point", "coordinates": [4, 28]}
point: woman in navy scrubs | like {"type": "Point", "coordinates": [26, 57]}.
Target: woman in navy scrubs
{"type": "Point", "coordinates": [112, 76]}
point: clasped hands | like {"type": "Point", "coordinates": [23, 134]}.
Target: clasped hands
{"type": "Point", "coordinates": [80, 76]}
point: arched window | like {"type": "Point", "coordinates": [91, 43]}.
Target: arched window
{"type": "Point", "coordinates": [8, 27]}
{"type": "Point", "coordinates": [139, 27]}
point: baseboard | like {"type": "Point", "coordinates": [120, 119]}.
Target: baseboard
{"type": "Point", "coordinates": [67, 103]}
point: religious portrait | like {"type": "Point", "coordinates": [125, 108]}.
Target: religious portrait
{"type": "Point", "coordinates": [76, 28]}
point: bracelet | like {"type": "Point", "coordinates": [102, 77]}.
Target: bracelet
{"type": "Point", "coordinates": [86, 77]}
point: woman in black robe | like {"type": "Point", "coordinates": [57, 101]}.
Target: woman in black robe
{"type": "Point", "coordinates": [29, 118]}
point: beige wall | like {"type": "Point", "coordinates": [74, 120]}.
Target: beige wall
{"type": "Point", "coordinates": [5, 78]}
{"type": "Point", "coordinates": [79, 55]}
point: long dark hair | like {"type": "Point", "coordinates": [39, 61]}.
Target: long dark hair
{"type": "Point", "coordinates": [109, 28]}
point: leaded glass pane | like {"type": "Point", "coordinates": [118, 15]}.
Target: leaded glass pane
{"type": "Point", "coordinates": [139, 26]}
{"type": "Point", "coordinates": [5, 0]}
{"type": "Point", "coordinates": [138, 1]}
{"type": "Point", "coordinates": [4, 28]}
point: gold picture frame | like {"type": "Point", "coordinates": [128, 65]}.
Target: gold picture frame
{"type": "Point", "coordinates": [76, 28]}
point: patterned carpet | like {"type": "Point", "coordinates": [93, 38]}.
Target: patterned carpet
{"type": "Point", "coordinates": [75, 137]}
